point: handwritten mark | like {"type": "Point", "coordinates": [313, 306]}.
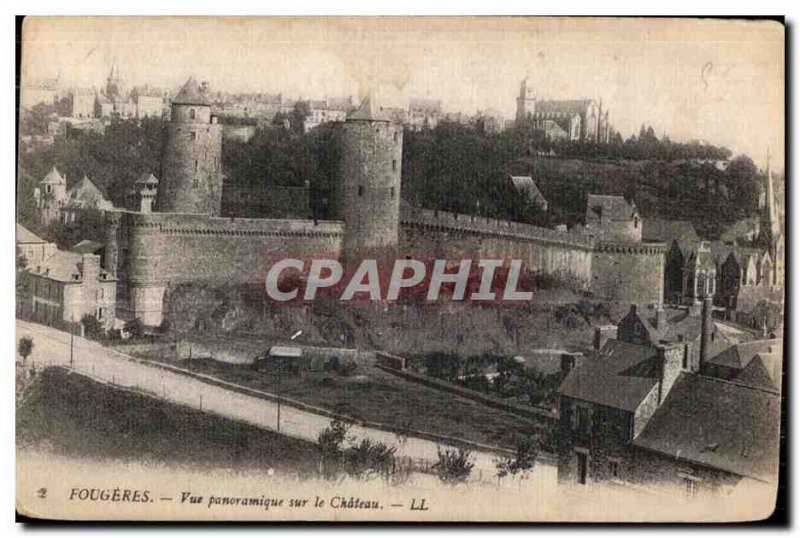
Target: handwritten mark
{"type": "Point", "coordinates": [706, 70]}
{"type": "Point", "coordinates": [42, 493]}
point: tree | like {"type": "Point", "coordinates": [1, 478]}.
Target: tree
{"type": "Point", "coordinates": [92, 328]}
{"type": "Point", "coordinates": [523, 460]}
{"type": "Point", "coordinates": [454, 465]}
{"type": "Point", "coordinates": [134, 327]}
{"type": "Point", "coordinates": [25, 347]}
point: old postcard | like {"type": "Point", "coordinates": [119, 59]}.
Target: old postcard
{"type": "Point", "coordinates": [400, 269]}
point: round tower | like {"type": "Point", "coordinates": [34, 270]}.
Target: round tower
{"type": "Point", "coordinates": [369, 176]}
{"type": "Point", "coordinates": [191, 166]}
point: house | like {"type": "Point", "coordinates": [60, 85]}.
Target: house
{"type": "Point", "coordinates": [527, 187]}
{"type": "Point", "coordinates": [82, 196]}
{"type": "Point", "coordinates": [755, 363]}
{"type": "Point", "coordinates": [613, 219]}
{"type": "Point", "coordinates": [645, 415]}
{"type": "Point", "coordinates": [32, 247]}
{"type": "Point", "coordinates": [708, 435]}
{"type": "Point", "coordinates": [63, 288]}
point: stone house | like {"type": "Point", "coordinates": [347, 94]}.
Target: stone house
{"type": "Point", "coordinates": [67, 286]}
{"type": "Point", "coordinates": [613, 219]}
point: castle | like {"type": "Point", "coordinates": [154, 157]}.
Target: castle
{"type": "Point", "coordinates": [186, 241]}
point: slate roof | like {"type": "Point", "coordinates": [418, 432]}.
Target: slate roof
{"type": "Point", "coordinates": [54, 177]}
{"type": "Point", "coordinates": [762, 372]}
{"type": "Point", "coordinates": [367, 112]}
{"type": "Point", "coordinates": [86, 193]}
{"type": "Point", "coordinates": [147, 178]}
{"type": "Point", "coordinates": [621, 376]}
{"type": "Point", "coordinates": [526, 185]}
{"type": "Point", "coordinates": [740, 355]}
{"type": "Point", "coordinates": [87, 246]}
{"type": "Point", "coordinates": [191, 94]}
{"type": "Point", "coordinates": [719, 424]}
{"type": "Point", "coordinates": [26, 236]}
{"type": "Point", "coordinates": [615, 208]}
{"type": "Point", "coordinates": [61, 266]}
{"type": "Point", "coordinates": [569, 107]}
{"type": "Point", "coordinates": [663, 230]}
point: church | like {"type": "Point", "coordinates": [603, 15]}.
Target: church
{"type": "Point", "coordinates": [582, 120]}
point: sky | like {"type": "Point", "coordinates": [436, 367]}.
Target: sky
{"type": "Point", "coordinates": [721, 81]}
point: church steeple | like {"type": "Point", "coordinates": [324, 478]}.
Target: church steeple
{"type": "Point", "coordinates": [771, 221]}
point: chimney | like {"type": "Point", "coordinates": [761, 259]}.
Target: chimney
{"type": "Point", "coordinates": [669, 364]}
{"type": "Point", "coordinates": [706, 328]}
{"type": "Point", "coordinates": [661, 318]}
{"type": "Point", "coordinates": [633, 309]}
{"type": "Point", "coordinates": [602, 334]}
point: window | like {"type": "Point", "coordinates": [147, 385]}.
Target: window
{"type": "Point", "coordinates": [193, 135]}
{"type": "Point", "coordinates": [361, 190]}
{"type": "Point", "coordinates": [394, 165]}
{"type": "Point", "coordinates": [48, 189]}
{"type": "Point", "coordinates": [101, 313]}
{"type": "Point", "coordinates": [191, 113]}
{"type": "Point", "coordinates": [690, 486]}
{"type": "Point", "coordinates": [395, 136]}
{"type": "Point", "coordinates": [583, 419]}
{"type": "Point", "coordinates": [392, 192]}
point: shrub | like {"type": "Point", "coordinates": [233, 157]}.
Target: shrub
{"type": "Point", "coordinates": [369, 458]}
{"type": "Point", "coordinates": [92, 328]}
{"type": "Point", "coordinates": [522, 461]}
{"type": "Point", "coordinates": [453, 466]}
{"type": "Point", "coordinates": [25, 347]}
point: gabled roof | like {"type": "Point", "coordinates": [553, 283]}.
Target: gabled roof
{"type": "Point", "coordinates": [53, 177]}
{"type": "Point", "coordinates": [761, 373]}
{"type": "Point", "coordinates": [367, 112]}
{"type": "Point", "coordinates": [62, 266]}
{"type": "Point", "coordinates": [191, 94]}
{"type": "Point", "coordinates": [25, 236]}
{"type": "Point", "coordinates": [87, 246]}
{"type": "Point", "coordinates": [719, 424]}
{"type": "Point", "coordinates": [615, 208]}
{"type": "Point", "coordinates": [147, 178]}
{"type": "Point", "coordinates": [621, 376]}
{"type": "Point", "coordinates": [526, 185]}
{"type": "Point", "coordinates": [653, 335]}
{"type": "Point", "coordinates": [740, 355]}
{"type": "Point", "coordinates": [665, 231]}
{"type": "Point", "coordinates": [85, 190]}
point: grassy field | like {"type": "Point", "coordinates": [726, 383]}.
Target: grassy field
{"type": "Point", "coordinates": [374, 395]}
{"type": "Point", "coordinates": [76, 417]}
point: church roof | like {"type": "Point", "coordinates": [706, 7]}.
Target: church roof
{"type": "Point", "coordinates": [191, 94]}
{"type": "Point", "coordinates": [53, 177]}
{"type": "Point", "coordinates": [367, 112]}
{"type": "Point", "coordinates": [568, 107]}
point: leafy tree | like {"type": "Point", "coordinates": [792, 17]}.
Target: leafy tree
{"type": "Point", "coordinates": [92, 328]}
{"type": "Point", "coordinates": [25, 347]}
{"type": "Point", "coordinates": [134, 327]}
{"type": "Point", "coordinates": [454, 465]}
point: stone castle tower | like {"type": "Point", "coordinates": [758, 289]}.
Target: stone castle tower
{"type": "Point", "coordinates": [191, 166]}
{"type": "Point", "coordinates": [369, 176]}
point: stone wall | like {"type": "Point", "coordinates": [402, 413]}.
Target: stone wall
{"type": "Point", "coordinates": [630, 273]}
{"type": "Point", "coordinates": [163, 250]}
{"type": "Point", "coordinates": [439, 234]}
